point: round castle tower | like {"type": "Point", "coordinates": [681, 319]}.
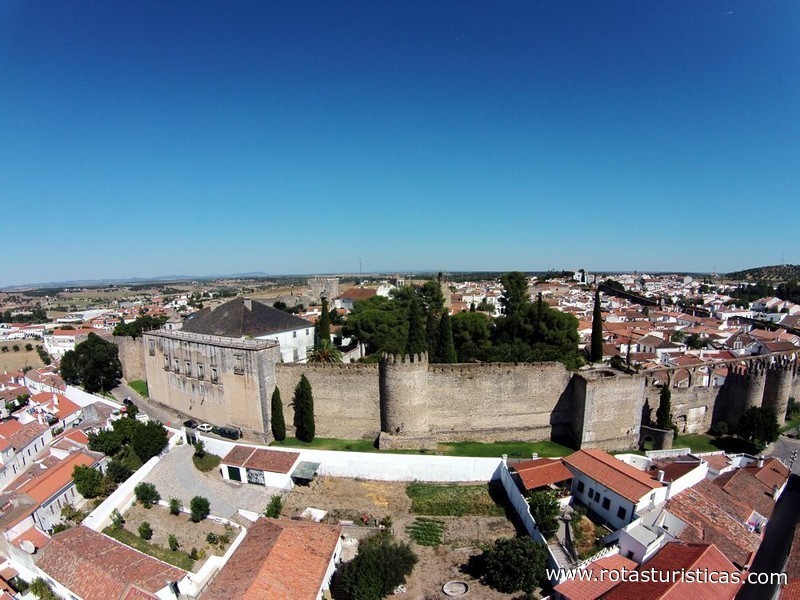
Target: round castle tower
{"type": "Point", "coordinates": [778, 386]}
{"type": "Point", "coordinates": [404, 394]}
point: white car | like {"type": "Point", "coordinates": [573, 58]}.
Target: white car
{"type": "Point", "coordinates": [204, 427]}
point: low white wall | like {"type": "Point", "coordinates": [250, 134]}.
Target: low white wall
{"type": "Point", "coordinates": [383, 467]}
{"type": "Point", "coordinates": [81, 398]}
{"type": "Point", "coordinates": [668, 453]}
{"type": "Point", "coordinates": [522, 508]}
{"type": "Point", "coordinates": [688, 480]}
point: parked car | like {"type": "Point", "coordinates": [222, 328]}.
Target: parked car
{"type": "Point", "coordinates": [190, 424]}
{"type": "Point", "coordinates": [127, 401]}
{"type": "Point", "coordinates": [204, 427]}
{"type": "Point", "coordinates": [232, 433]}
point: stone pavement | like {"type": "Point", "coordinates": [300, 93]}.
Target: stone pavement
{"type": "Point", "coordinates": [176, 477]}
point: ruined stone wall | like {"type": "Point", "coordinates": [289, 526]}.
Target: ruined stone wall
{"type": "Point", "coordinates": [346, 398]}
{"type": "Point", "coordinates": [131, 355]}
{"type": "Point", "coordinates": [692, 408]}
{"type": "Point", "coordinates": [612, 409]}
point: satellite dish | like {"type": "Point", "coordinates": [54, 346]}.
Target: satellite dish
{"type": "Point", "coordinates": [27, 546]}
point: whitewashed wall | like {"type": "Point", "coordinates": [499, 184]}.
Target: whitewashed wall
{"type": "Point", "coordinates": [383, 467]}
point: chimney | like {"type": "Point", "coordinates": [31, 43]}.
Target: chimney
{"type": "Point", "coordinates": [55, 399]}
{"type": "Point", "coordinates": [660, 476]}
{"type": "Point", "coordinates": [534, 455]}
{"type": "Point", "coordinates": [760, 461]}
{"type": "Point", "coordinates": [248, 303]}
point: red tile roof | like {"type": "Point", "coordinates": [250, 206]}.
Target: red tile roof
{"type": "Point", "coordinates": [755, 485]}
{"type": "Point", "coordinates": [595, 585]}
{"type": "Point", "coordinates": [56, 478]}
{"type": "Point", "coordinates": [96, 567]}
{"type": "Point", "coordinates": [675, 557]}
{"type": "Point", "coordinates": [58, 404]}
{"type": "Point", "coordinates": [278, 559]}
{"type": "Point", "coordinates": [541, 471]}
{"type": "Point", "coordinates": [28, 433]}
{"type": "Point", "coordinates": [627, 481]}
{"type": "Point", "coordinates": [358, 293]}
{"type": "Point", "coordinates": [713, 516]}
{"type": "Point", "coordinates": [261, 459]}
{"type": "Point", "coordinates": [33, 535]}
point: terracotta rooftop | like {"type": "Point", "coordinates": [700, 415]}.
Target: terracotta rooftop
{"type": "Point", "coordinates": [675, 557]}
{"type": "Point", "coordinates": [713, 516]}
{"type": "Point", "coordinates": [261, 459]}
{"type": "Point", "coordinates": [278, 559]}
{"type": "Point", "coordinates": [717, 461]}
{"type": "Point", "coordinates": [56, 478]}
{"type": "Point", "coordinates": [541, 471]}
{"type": "Point", "coordinates": [96, 567]}
{"type": "Point", "coordinates": [58, 404]}
{"type": "Point", "coordinates": [674, 467]}
{"type": "Point", "coordinates": [358, 293]}
{"type": "Point", "coordinates": [627, 481]}
{"type": "Point", "coordinates": [594, 587]}
{"type": "Point", "coordinates": [28, 433]}
{"type": "Point", "coordinates": [755, 485]}
{"type": "Point", "coordinates": [33, 535]}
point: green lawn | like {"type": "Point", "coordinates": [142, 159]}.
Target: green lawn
{"type": "Point", "coordinates": [178, 558]}
{"type": "Point", "coordinates": [477, 449]}
{"type": "Point", "coordinates": [792, 423]}
{"type": "Point", "coordinates": [452, 500]}
{"type": "Point", "coordinates": [209, 462]}
{"type": "Point", "coordinates": [140, 387]}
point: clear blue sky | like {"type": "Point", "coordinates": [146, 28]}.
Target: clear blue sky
{"type": "Point", "coordinates": [153, 138]}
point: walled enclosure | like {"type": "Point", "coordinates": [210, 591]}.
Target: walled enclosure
{"type": "Point", "coordinates": [411, 403]}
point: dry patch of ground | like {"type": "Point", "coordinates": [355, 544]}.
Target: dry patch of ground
{"type": "Point", "coordinates": [463, 536]}
{"type": "Point", "coordinates": [14, 361]}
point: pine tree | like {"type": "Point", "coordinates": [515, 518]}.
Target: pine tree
{"type": "Point", "coordinates": [416, 343]}
{"type": "Point", "coordinates": [304, 411]}
{"type": "Point", "coordinates": [597, 330]}
{"type": "Point", "coordinates": [324, 326]}
{"type": "Point", "coordinates": [432, 333]}
{"type": "Point", "coordinates": [278, 423]}
{"type": "Point", "coordinates": [447, 350]}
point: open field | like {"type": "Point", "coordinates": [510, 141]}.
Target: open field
{"type": "Point", "coordinates": [14, 361]}
{"type": "Point", "coordinates": [462, 537]}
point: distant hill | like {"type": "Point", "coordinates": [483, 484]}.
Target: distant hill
{"type": "Point", "coordinates": [775, 274]}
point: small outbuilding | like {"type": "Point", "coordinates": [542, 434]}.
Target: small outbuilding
{"type": "Point", "coordinates": [259, 466]}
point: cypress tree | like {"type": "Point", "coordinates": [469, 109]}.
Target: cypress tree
{"type": "Point", "coordinates": [416, 334]}
{"type": "Point", "coordinates": [324, 326]}
{"type": "Point", "coordinates": [596, 354]}
{"type": "Point", "coordinates": [432, 333]}
{"type": "Point", "coordinates": [664, 410]}
{"type": "Point", "coordinates": [447, 350]}
{"type": "Point", "coordinates": [304, 411]}
{"type": "Point", "coordinates": [278, 423]}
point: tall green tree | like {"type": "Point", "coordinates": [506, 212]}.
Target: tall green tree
{"type": "Point", "coordinates": [277, 421]}
{"type": "Point", "coordinates": [304, 411]}
{"type": "Point", "coordinates": [416, 343]}
{"type": "Point", "coordinates": [447, 350]}
{"type": "Point", "coordinates": [597, 330]}
{"type": "Point", "coordinates": [430, 293]}
{"type": "Point", "coordinates": [515, 564]}
{"type": "Point", "coordinates": [432, 334]}
{"type": "Point", "coordinates": [472, 336]}
{"type": "Point", "coordinates": [87, 481]}
{"type": "Point", "coordinates": [380, 566]}
{"type": "Point", "coordinates": [664, 410]}
{"type": "Point", "coordinates": [324, 326]}
{"type": "Point", "coordinates": [758, 425]}
{"type": "Point", "coordinates": [94, 363]}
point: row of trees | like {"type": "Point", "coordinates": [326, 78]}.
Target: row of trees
{"type": "Point", "coordinates": [303, 403]}
{"type": "Point", "coordinates": [414, 320]}
{"type": "Point", "coordinates": [139, 325]}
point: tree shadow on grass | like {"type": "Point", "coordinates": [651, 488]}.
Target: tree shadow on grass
{"type": "Point", "coordinates": [735, 445]}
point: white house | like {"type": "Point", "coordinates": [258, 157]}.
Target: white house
{"type": "Point", "coordinates": [615, 491]}
{"type": "Point", "coordinates": [259, 466]}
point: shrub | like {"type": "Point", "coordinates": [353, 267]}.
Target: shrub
{"type": "Point", "coordinates": [42, 590]}
{"type": "Point", "coordinates": [381, 565]}
{"type": "Point", "coordinates": [199, 449]}
{"type": "Point", "coordinates": [515, 564]}
{"type": "Point", "coordinates": [274, 508]}
{"type": "Point", "coordinates": [117, 520]}
{"type": "Point", "coordinates": [87, 481]}
{"type": "Point", "coordinates": [224, 539]}
{"type": "Point", "coordinates": [200, 508]}
{"type": "Point", "coordinates": [117, 472]}
{"type": "Point", "coordinates": [145, 531]}
{"type": "Point", "coordinates": [175, 506]}
{"type": "Point", "coordinates": [212, 538]}
{"type": "Point", "coordinates": [147, 494]}
{"type": "Point", "coordinates": [173, 542]}
{"type": "Point", "coordinates": [193, 554]}
{"type": "Point", "coordinates": [544, 510]}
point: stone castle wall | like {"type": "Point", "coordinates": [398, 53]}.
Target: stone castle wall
{"type": "Point", "coordinates": [346, 398]}
{"type": "Point", "coordinates": [131, 355]}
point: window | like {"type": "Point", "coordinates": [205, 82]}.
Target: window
{"type": "Point", "coordinates": [213, 373]}
{"type": "Point", "coordinates": [177, 365]}
{"type": "Point", "coordinates": [621, 513]}
{"type": "Point", "coordinates": [152, 348]}
{"type": "Point", "coordinates": [200, 370]}
{"type": "Point", "coordinates": [166, 363]}
{"type": "Point", "coordinates": [294, 334]}
{"type": "Point", "coordinates": [580, 487]}
{"type": "Point", "coordinates": [597, 496]}
{"type": "Point", "coordinates": [238, 366]}
{"type": "Point", "coordinates": [188, 368]}
{"type": "Point", "coordinates": [306, 331]}
{"type": "Point", "coordinates": [591, 493]}
{"type": "Point", "coordinates": [606, 503]}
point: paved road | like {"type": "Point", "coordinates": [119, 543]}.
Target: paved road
{"type": "Point", "coordinates": [176, 477]}
{"type": "Point", "coordinates": [156, 413]}
{"type": "Point", "coordinates": [783, 449]}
